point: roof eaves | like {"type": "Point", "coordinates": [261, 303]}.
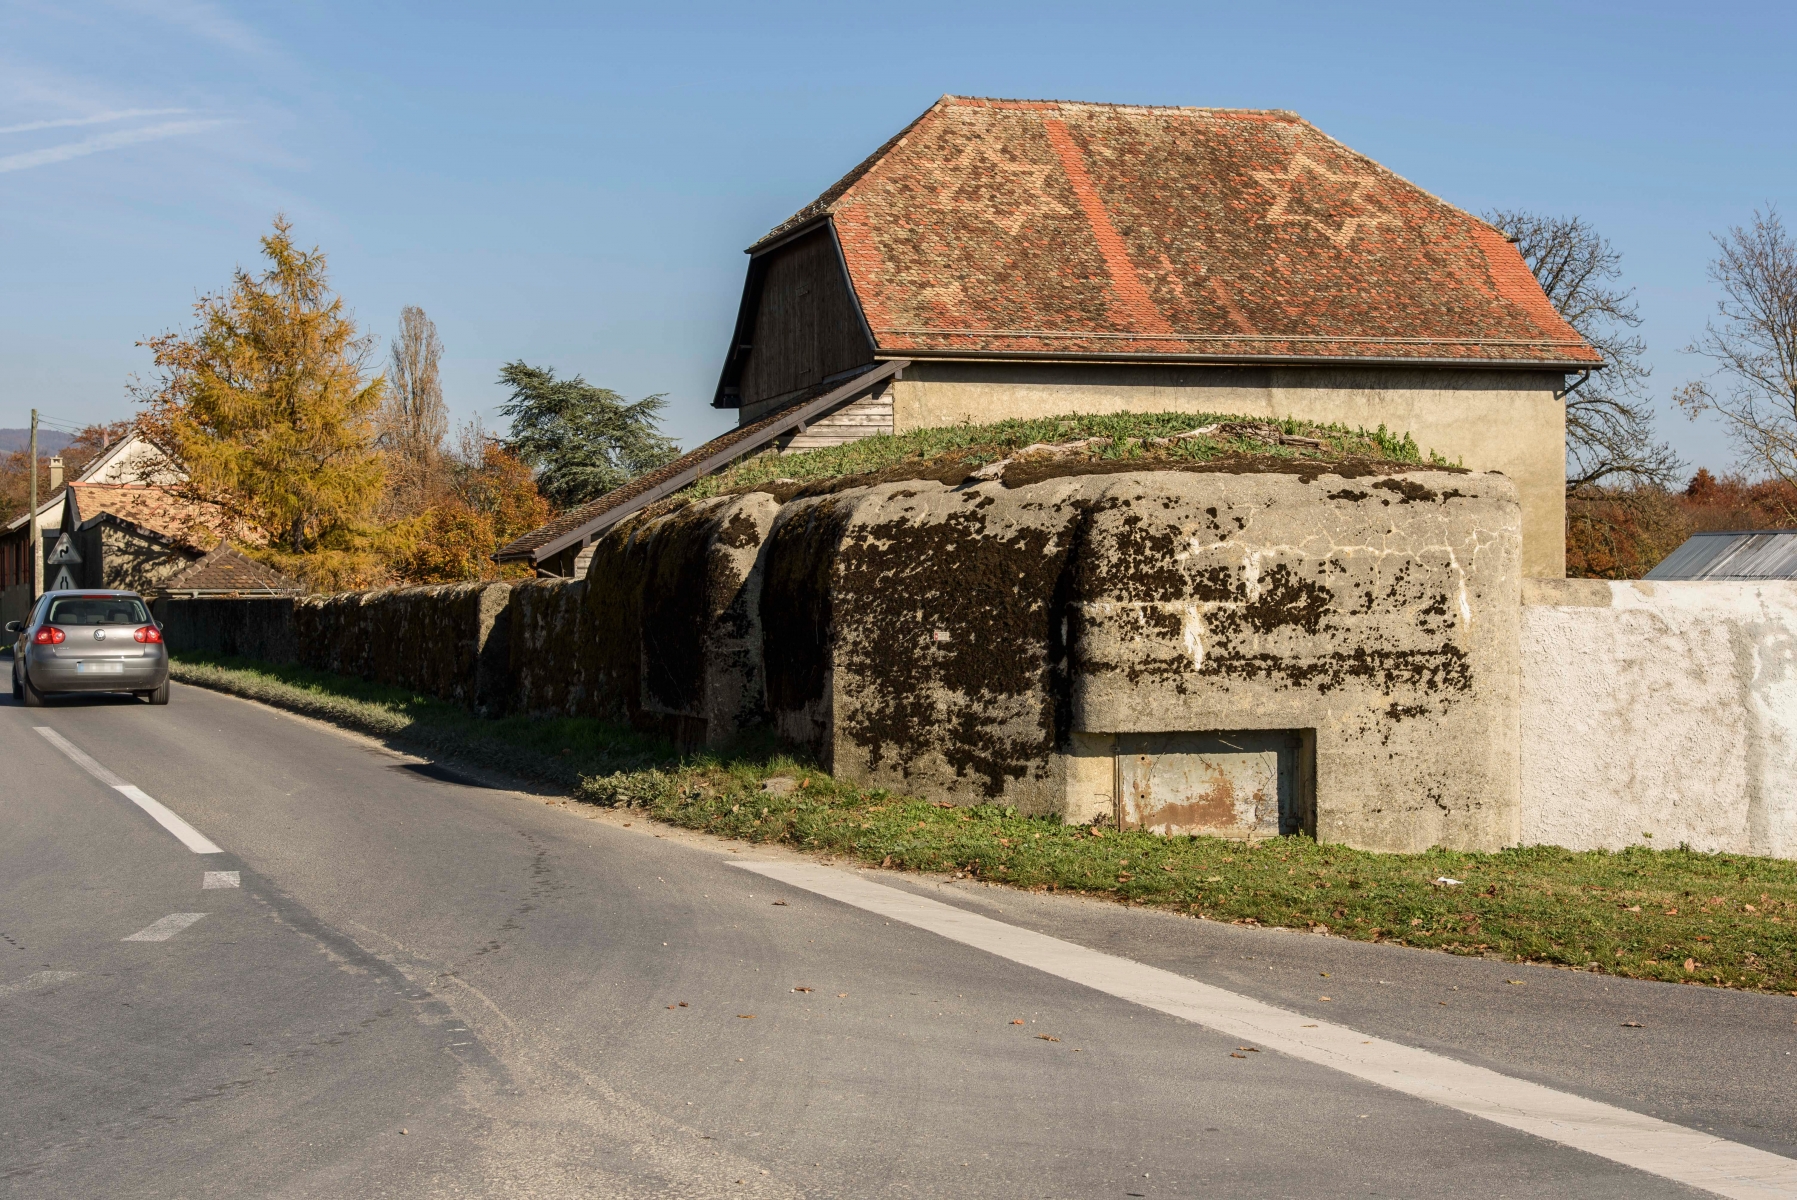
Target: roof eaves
{"type": "Point", "coordinates": [790, 233]}
{"type": "Point", "coordinates": [1077, 356]}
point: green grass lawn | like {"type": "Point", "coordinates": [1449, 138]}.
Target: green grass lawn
{"type": "Point", "coordinates": [1674, 915]}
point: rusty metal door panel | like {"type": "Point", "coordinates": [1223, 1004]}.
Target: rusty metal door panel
{"type": "Point", "coordinates": [1229, 783]}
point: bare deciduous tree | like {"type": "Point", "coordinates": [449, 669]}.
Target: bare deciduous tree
{"type": "Point", "coordinates": [1753, 342]}
{"type": "Point", "coordinates": [1609, 420]}
{"type": "Point", "coordinates": [414, 420]}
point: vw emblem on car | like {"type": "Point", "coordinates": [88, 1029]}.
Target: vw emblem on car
{"type": "Point", "coordinates": [99, 635]}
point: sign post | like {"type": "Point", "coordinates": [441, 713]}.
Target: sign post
{"type": "Point", "coordinates": [37, 551]}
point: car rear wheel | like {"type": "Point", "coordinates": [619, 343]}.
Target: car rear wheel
{"type": "Point", "coordinates": [31, 697]}
{"type": "Point", "coordinates": [158, 696]}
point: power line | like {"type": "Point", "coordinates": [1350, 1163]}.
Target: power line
{"type": "Point", "coordinates": [44, 422]}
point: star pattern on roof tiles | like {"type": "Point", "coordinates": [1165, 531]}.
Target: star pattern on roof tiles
{"type": "Point", "coordinates": [1333, 204]}
{"type": "Point", "coordinates": [1005, 191]}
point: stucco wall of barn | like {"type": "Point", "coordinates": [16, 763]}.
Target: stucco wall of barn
{"type": "Point", "coordinates": [1513, 422]}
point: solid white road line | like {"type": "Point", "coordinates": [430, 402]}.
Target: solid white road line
{"type": "Point", "coordinates": [164, 929]}
{"type": "Point", "coordinates": [1644, 1143]}
{"type": "Point", "coordinates": [32, 983]}
{"type": "Point", "coordinates": [190, 837]}
{"type": "Point", "coordinates": [221, 879]}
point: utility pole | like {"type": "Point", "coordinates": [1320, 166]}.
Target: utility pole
{"type": "Point", "coordinates": [37, 551]}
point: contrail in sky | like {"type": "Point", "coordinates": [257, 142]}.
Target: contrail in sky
{"type": "Point", "coordinates": [98, 119]}
{"type": "Point", "coordinates": [105, 141]}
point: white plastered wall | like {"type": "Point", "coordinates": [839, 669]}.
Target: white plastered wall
{"type": "Point", "coordinates": [1660, 714]}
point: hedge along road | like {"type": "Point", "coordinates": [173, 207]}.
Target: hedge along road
{"type": "Point", "coordinates": [552, 1005]}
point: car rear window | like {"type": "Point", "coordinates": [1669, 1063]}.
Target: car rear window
{"type": "Point", "coordinates": [98, 610]}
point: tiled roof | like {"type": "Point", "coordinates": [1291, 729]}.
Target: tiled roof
{"type": "Point", "coordinates": [193, 523]}
{"type": "Point", "coordinates": [565, 523]}
{"type": "Point", "coordinates": [1090, 230]}
{"type": "Point", "coordinates": [227, 569]}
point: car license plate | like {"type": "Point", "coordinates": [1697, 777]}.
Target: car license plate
{"type": "Point", "coordinates": [99, 668]}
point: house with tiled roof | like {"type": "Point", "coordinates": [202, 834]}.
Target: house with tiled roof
{"type": "Point", "coordinates": [124, 522]}
{"type": "Point", "coordinates": [1025, 259]}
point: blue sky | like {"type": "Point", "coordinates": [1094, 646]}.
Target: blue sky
{"type": "Point", "coordinates": [574, 184]}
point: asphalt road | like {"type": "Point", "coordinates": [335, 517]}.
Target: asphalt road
{"type": "Point", "coordinates": [425, 985]}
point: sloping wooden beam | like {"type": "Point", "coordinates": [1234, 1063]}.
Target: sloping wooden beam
{"type": "Point", "coordinates": [712, 457]}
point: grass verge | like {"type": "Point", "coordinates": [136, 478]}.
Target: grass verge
{"type": "Point", "coordinates": [559, 750]}
{"type": "Point", "coordinates": [1672, 915]}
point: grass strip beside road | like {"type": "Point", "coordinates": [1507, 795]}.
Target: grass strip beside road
{"type": "Point", "coordinates": [557, 750]}
{"type": "Point", "coordinates": [1673, 915]}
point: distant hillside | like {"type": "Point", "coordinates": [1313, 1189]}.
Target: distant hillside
{"type": "Point", "coordinates": [48, 440]}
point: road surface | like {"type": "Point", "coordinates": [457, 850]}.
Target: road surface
{"type": "Point", "coordinates": [379, 977]}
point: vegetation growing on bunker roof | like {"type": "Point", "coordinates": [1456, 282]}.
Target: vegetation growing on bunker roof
{"type": "Point", "coordinates": [1110, 437]}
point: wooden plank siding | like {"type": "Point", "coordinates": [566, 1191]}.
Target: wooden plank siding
{"type": "Point", "coordinates": [807, 327]}
{"type": "Point", "coordinates": [865, 417]}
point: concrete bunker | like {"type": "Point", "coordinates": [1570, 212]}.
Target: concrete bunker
{"type": "Point", "coordinates": [1344, 635]}
{"type": "Point", "coordinates": [672, 610]}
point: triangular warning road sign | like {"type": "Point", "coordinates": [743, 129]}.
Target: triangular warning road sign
{"type": "Point", "coordinates": [64, 551]}
{"type": "Point", "coordinates": [64, 581]}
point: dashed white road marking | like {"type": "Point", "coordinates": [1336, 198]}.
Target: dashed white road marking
{"type": "Point", "coordinates": [1658, 1147]}
{"type": "Point", "coordinates": [190, 837]}
{"type": "Point", "coordinates": [164, 929]}
{"type": "Point", "coordinates": [32, 983]}
{"type": "Point", "coordinates": [221, 879]}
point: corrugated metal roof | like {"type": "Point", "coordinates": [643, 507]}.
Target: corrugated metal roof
{"type": "Point", "coordinates": [1761, 554]}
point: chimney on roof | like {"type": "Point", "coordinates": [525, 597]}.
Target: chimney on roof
{"type": "Point", "coordinates": [56, 472]}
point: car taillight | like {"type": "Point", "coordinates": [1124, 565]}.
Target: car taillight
{"type": "Point", "coordinates": [49, 635]}
{"type": "Point", "coordinates": [149, 633]}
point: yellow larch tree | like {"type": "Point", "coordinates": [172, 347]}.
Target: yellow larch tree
{"type": "Point", "coordinates": [268, 404]}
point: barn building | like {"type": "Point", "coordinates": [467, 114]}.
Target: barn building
{"type": "Point", "coordinates": [1002, 259]}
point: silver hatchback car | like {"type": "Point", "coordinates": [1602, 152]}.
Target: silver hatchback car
{"type": "Point", "coordinates": [91, 641]}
